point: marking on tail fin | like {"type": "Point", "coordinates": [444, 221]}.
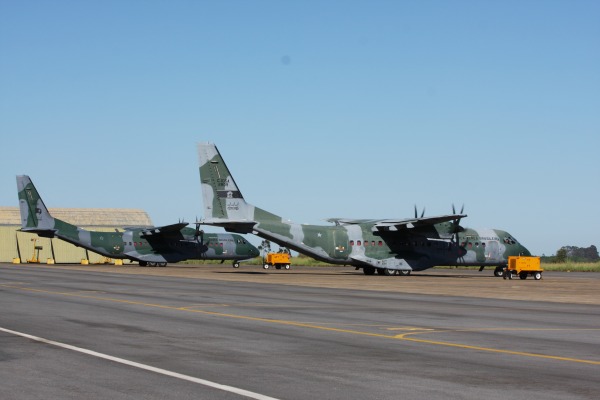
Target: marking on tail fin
{"type": "Point", "coordinates": [229, 194]}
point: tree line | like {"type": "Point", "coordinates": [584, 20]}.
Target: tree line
{"type": "Point", "coordinates": [574, 254]}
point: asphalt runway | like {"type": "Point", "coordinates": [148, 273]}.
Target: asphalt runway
{"type": "Point", "coordinates": [219, 333]}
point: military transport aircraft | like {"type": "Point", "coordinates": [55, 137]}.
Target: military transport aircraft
{"type": "Point", "coordinates": [387, 246]}
{"type": "Point", "coordinates": [154, 246]}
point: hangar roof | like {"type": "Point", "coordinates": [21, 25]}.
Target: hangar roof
{"type": "Point", "coordinates": [97, 217]}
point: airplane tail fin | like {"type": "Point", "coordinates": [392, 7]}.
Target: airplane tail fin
{"type": "Point", "coordinates": [35, 217]}
{"type": "Point", "coordinates": [223, 201]}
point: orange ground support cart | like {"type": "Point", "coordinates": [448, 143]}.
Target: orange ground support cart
{"type": "Point", "coordinates": [277, 260]}
{"type": "Point", "coordinates": [522, 267]}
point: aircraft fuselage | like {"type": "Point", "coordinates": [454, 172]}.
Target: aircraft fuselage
{"type": "Point", "coordinates": [177, 246]}
{"type": "Point", "coordinates": [358, 245]}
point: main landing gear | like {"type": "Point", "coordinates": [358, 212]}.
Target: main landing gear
{"type": "Point", "coordinates": [385, 271]}
{"type": "Point", "coordinates": [152, 264]}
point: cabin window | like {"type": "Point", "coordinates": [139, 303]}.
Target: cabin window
{"type": "Point", "coordinates": [470, 245]}
{"type": "Point", "coordinates": [380, 243]}
{"type": "Point", "coordinates": [366, 243]}
{"type": "Point", "coordinates": [358, 243]}
{"type": "Point", "coordinates": [352, 243]}
{"type": "Point", "coordinates": [482, 244]}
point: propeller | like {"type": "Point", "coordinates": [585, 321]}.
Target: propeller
{"type": "Point", "coordinates": [461, 209]}
{"type": "Point", "coordinates": [422, 212]}
{"type": "Point", "coordinates": [456, 223]}
{"type": "Point", "coordinates": [199, 233]}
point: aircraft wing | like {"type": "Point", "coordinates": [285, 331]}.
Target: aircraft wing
{"type": "Point", "coordinates": [163, 230]}
{"type": "Point", "coordinates": [398, 224]}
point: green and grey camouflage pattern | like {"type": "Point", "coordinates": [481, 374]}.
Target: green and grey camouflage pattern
{"type": "Point", "coordinates": [389, 246]}
{"type": "Point", "coordinates": [148, 246]}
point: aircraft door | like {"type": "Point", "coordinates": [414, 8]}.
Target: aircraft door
{"type": "Point", "coordinates": [492, 251]}
{"type": "Point", "coordinates": [340, 244]}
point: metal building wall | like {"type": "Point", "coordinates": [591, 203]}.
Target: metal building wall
{"type": "Point", "coordinates": [8, 243]}
{"type": "Point", "coordinates": [15, 244]}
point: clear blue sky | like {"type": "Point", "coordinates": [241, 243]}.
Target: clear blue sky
{"type": "Point", "coordinates": [356, 109]}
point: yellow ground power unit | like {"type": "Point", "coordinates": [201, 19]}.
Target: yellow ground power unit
{"type": "Point", "coordinates": [522, 267]}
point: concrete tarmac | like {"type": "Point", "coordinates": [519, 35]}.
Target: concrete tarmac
{"type": "Point", "coordinates": [323, 333]}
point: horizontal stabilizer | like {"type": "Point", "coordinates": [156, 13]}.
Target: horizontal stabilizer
{"type": "Point", "coordinates": [47, 233]}
{"type": "Point", "coordinates": [230, 225]}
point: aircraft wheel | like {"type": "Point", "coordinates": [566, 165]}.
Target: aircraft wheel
{"type": "Point", "coordinates": [537, 276]}
{"type": "Point", "coordinates": [499, 272]}
{"type": "Point", "coordinates": [404, 272]}
{"type": "Point", "coordinates": [162, 264]}
{"type": "Point", "coordinates": [236, 264]}
{"type": "Point", "coordinates": [523, 275]}
{"type": "Point", "coordinates": [266, 266]}
{"type": "Point", "coordinates": [369, 270]}
{"type": "Point", "coordinates": [389, 272]}
{"type": "Point", "coordinates": [287, 266]}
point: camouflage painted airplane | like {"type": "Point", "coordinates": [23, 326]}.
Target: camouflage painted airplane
{"type": "Point", "coordinates": [387, 246]}
{"type": "Point", "coordinates": [154, 246]}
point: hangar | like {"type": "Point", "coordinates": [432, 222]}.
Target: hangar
{"type": "Point", "coordinates": [30, 247]}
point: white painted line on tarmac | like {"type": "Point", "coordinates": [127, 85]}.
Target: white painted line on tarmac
{"type": "Point", "coordinates": [188, 378]}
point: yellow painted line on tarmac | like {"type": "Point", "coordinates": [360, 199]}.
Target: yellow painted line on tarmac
{"type": "Point", "coordinates": [401, 337]}
{"type": "Point", "coordinates": [499, 330]}
{"type": "Point", "coordinates": [492, 350]}
{"type": "Point", "coordinates": [410, 328]}
{"type": "Point", "coordinates": [193, 306]}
